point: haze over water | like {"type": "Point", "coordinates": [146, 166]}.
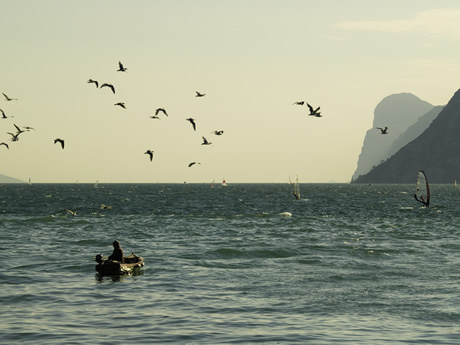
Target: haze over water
{"type": "Point", "coordinates": [243, 264]}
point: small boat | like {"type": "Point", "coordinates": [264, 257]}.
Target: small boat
{"type": "Point", "coordinates": [132, 265]}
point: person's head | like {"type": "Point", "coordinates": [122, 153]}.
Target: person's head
{"type": "Point", "coordinates": [116, 244]}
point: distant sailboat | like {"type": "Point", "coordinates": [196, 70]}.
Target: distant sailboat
{"type": "Point", "coordinates": [212, 184]}
{"type": "Point", "coordinates": [295, 187]}
{"type": "Point", "coordinates": [96, 184]}
{"type": "Point", "coordinates": [455, 184]}
{"type": "Point", "coordinates": [224, 183]}
{"type": "Point", "coordinates": [30, 181]}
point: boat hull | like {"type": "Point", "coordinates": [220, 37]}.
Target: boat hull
{"type": "Point", "coordinates": [131, 265]}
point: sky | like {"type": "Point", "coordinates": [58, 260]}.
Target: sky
{"type": "Point", "coordinates": [253, 59]}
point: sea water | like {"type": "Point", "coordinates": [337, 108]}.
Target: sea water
{"type": "Point", "coordinates": [241, 264]}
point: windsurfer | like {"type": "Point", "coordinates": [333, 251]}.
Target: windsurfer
{"type": "Point", "coordinates": [422, 200]}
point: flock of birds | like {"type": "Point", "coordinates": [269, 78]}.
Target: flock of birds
{"type": "Point", "coordinates": [315, 112]}
{"type": "Point", "coordinates": [158, 112]}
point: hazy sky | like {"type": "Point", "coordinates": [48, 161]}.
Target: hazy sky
{"type": "Point", "coordinates": [252, 59]}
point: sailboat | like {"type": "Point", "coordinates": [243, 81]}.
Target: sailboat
{"type": "Point", "coordinates": [455, 184]}
{"type": "Point", "coordinates": [422, 189]}
{"type": "Point", "coordinates": [224, 183]}
{"type": "Point", "coordinates": [296, 187]}
{"type": "Point", "coordinates": [30, 181]}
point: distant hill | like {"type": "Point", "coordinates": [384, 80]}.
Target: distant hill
{"type": "Point", "coordinates": [7, 179]}
{"type": "Point", "coordinates": [397, 112]}
{"type": "Point", "coordinates": [436, 151]}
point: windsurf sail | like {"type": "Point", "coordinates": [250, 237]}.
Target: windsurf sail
{"type": "Point", "coordinates": [422, 189]}
{"type": "Point", "coordinates": [295, 187]}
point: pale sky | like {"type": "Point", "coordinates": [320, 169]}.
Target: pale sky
{"type": "Point", "coordinates": [252, 59]}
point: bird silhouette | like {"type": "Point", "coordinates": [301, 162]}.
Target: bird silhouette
{"type": "Point", "coordinates": [155, 117]}
{"type": "Point", "coordinates": [94, 82]}
{"type": "Point", "coordinates": [192, 164]}
{"type": "Point", "coordinates": [121, 68]}
{"type": "Point", "coordinates": [298, 103]}
{"type": "Point", "coordinates": [61, 141]}
{"type": "Point", "coordinates": [383, 130]}
{"type": "Point", "coordinates": [15, 136]}
{"type": "Point", "coordinates": [161, 110]}
{"type": "Point", "coordinates": [8, 98]}
{"type": "Point", "coordinates": [314, 112]}
{"type": "Point", "coordinates": [198, 94]}
{"type": "Point", "coordinates": [108, 85]}
{"type": "Point", "coordinates": [192, 121]}
{"type": "Point", "coordinates": [3, 114]}
{"type": "Point", "coordinates": [150, 153]}
{"type": "Point", "coordinates": [205, 141]}
{"type": "Point", "coordinates": [27, 128]}
{"type": "Point", "coordinates": [121, 104]}
{"type": "Point", "coordinates": [218, 132]}
{"type": "Point", "coordinates": [18, 130]}
{"type": "Point", "coordinates": [5, 145]}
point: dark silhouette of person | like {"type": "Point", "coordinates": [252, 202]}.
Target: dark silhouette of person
{"type": "Point", "coordinates": [422, 200]}
{"type": "Point", "coordinates": [117, 254]}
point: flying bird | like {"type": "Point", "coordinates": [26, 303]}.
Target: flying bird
{"type": "Point", "coordinates": [383, 130]}
{"type": "Point", "coordinates": [192, 121]}
{"type": "Point", "coordinates": [150, 153]}
{"type": "Point", "coordinates": [15, 137]}
{"type": "Point", "coordinates": [198, 94]}
{"type": "Point", "coordinates": [18, 130]}
{"type": "Point", "coordinates": [121, 104]}
{"type": "Point", "coordinates": [314, 112]}
{"type": "Point", "coordinates": [108, 85]}
{"type": "Point", "coordinates": [27, 128]}
{"type": "Point", "coordinates": [61, 141]}
{"type": "Point", "coordinates": [218, 132]}
{"type": "Point", "coordinates": [94, 82]}
{"type": "Point", "coordinates": [3, 114]}
{"type": "Point", "coordinates": [121, 68]}
{"type": "Point", "coordinates": [192, 164]}
{"type": "Point", "coordinates": [5, 145]}
{"type": "Point", "coordinates": [155, 117]}
{"type": "Point", "coordinates": [161, 110]}
{"type": "Point", "coordinates": [8, 98]}
{"type": "Point", "coordinates": [298, 103]}
{"type": "Point", "coordinates": [205, 141]}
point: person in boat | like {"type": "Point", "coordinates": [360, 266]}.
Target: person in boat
{"type": "Point", "coordinates": [117, 254]}
{"type": "Point", "coordinates": [422, 200]}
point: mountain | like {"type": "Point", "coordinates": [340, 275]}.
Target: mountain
{"type": "Point", "coordinates": [397, 112]}
{"type": "Point", "coordinates": [436, 151]}
{"type": "Point", "coordinates": [7, 179]}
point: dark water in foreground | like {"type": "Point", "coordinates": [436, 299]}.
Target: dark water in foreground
{"type": "Point", "coordinates": [353, 264]}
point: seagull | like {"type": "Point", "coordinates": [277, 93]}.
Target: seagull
{"type": "Point", "coordinates": [298, 103]}
{"type": "Point", "coordinates": [5, 145]}
{"type": "Point", "coordinates": [192, 121]}
{"type": "Point", "coordinates": [3, 114]}
{"type": "Point", "coordinates": [18, 130]}
{"type": "Point", "coordinates": [8, 98]}
{"type": "Point", "coordinates": [161, 110]}
{"type": "Point", "coordinates": [383, 130]}
{"type": "Point", "coordinates": [218, 132]}
{"type": "Point", "coordinates": [198, 94]}
{"type": "Point", "coordinates": [121, 67]}
{"type": "Point", "coordinates": [206, 142]}
{"type": "Point", "coordinates": [14, 136]}
{"type": "Point", "coordinates": [192, 164]}
{"type": "Point", "coordinates": [27, 128]}
{"type": "Point", "coordinates": [121, 104]}
{"type": "Point", "coordinates": [108, 85]}
{"type": "Point", "coordinates": [60, 141]}
{"type": "Point", "coordinates": [94, 82]}
{"type": "Point", "coordinates": [155, 117]}
{"type": "Point", "coordinates": [150, 153]}
{"type": "Point", "coordinates": [314, 112]}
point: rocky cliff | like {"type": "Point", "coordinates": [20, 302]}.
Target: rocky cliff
{"type": "Point", "coordinates": [436, 151]}
{"type": "Point", "coordinates": [397, 112]}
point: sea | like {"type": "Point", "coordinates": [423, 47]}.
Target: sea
{"type": "Point", "coordinates": [235, 264]}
